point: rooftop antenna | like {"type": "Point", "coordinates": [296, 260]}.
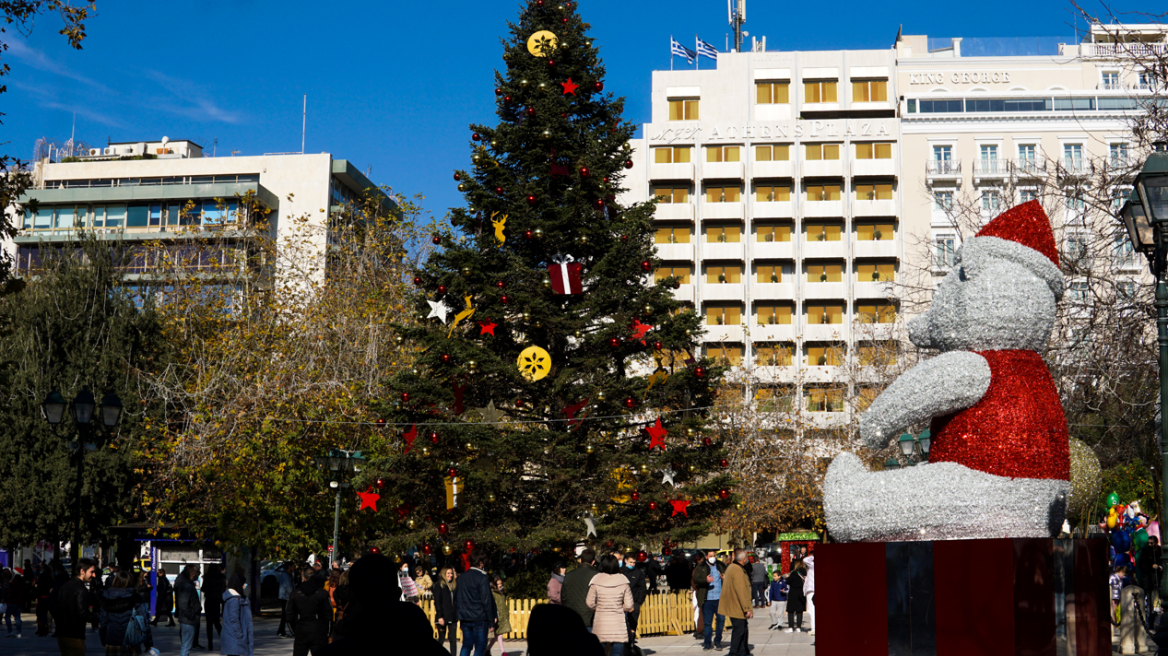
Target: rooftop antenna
{"type": "Point", "coordinates": [304, 124]}
{"type": "Point", "coordinates": [736, 13]}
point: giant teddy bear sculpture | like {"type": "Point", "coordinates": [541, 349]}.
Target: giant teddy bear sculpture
{"type": "Point", "coordinates": [999, 464]}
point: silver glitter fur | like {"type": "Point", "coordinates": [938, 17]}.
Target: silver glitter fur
{"type": "Point", "coordinates": [999, 295]}
{"type": "Point", "coordinates": [938, 501]}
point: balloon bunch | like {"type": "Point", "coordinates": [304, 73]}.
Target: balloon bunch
{"type": "Point", "coordinates": [1128, 529]}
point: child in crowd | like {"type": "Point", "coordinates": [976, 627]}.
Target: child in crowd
{"type": "Point", "coordinates": [777, 599]}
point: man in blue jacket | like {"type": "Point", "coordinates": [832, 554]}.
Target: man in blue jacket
{"type": "Point", "coordinates": [476, 606]}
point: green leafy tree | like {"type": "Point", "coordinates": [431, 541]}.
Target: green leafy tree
{"type": "Point", "coordinates": [619, 356]}
{"type": "Point", "coordinates": [73, 327]}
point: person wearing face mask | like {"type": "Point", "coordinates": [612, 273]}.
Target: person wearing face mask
{"type": "Point", "coordinates": [638, 584]}
{"type": "Point", "coordinates": [408, 587]}
{"type": "Point", "coordinates": [713, 571]}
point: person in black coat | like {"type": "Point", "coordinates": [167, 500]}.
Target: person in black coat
{"type": "Point", "coordinates": [639, 585]}
{"type": "Point", "coordinates": [164, 594]}
{"type": "Point", "coordinates": [445, 612]}
{"type": "Point", "coordinates": [796, 601]}
{"type": "Point", "coordinates": [214, 585]}
{"type": "Point", "coordinates": [309, 612]}
{"type": "Point", "coordinates": [187, 609]}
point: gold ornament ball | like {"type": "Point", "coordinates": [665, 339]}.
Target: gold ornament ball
{"type": "Point", "coordinates": [425, 451]}
{"type": "Point", "coordinates": [523, 83]}
{"type": "Point", "coordinates": [595, 509]}
{"type": "Point", "coordinates": [588, 449]}
{"type": "Point", "coordinates": [600, 396]}
{"type": "Point", "coordinates": [547, 282]}
{"type": "Point", "coordinates": [491, 498]}
{"type": "Point", "coordinates": [469, 446]}
{"type": "Point", "coordinates": [1086, 479]}
{"type": "Point", "coordinates": [546, 134]}
{"type": "Point", "coordinates": [527, 316]}
{"type": "Point", "coordinates": [644, 469]}
{"type": "Point", "coordinates": [446, 550]}
{"type": "Point", "coordinates": [410, 524]}
{"type": "Point", "coordinates": [538, 233]}
{"type": "Point", "coordinates": [739, 506]}
{"type": "Point", "coordinates": [472, 366]}
{"type": "Point", "coordinates": [693, 468]}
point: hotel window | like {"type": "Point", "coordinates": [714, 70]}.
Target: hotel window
{"type": "Point", "coordinates": [819, 151]}
{"type": "Point", "coordinates": [672, 236]}
{"type": "Point", "coordinates": [864, 397]}
{"type": "Point", "coordinates": [772, 315]}
{"type": "Point", "coordinates": [825, 273]}
{"type": "Point", "coordinates": [870, 91]}
{"type": "Point", "coordinates": [1073, 156]}
{"type": "Point", "coordinates": [1027, 195]}
{"type": "Point", "coordinates": [874, 231]}
{"type": "Point", "coordinates": [869, 312]}
{"type": "Point", "coordinates": [943, 200]}
{"type": "Point", "coordinates": [723, 315]}
{"type": "Point", "coordinates": [1078, 292]}
{"type": "Point", "coordinates": [1075, 201]}
{"type": "Point", "coordinates": [1076, 246]}
{"type": "Point", "coordinates": [723, 194]}
{"type": "Point", "coordinates": [683, 110]}
{"type": "Point", "coordinates": [942, 153]}
{"type": "Point", "coordinates": [773, 355]}
{"type": "Point", "coordinates": [115, 216]}
{"type": "Point", "coordinates": [138, 216]}
{"type": "Point", "coordinates": [944, 251]}
{"type": "Point", "coordinates": [1145, 80]}
{"type": "Point", "coordinates": [1111, 80]}
{"type": "Point", "coordinates": [824, 399]}
{"type": "Point", "coordinates": [671, 193]}
{"type": "Point", "coordinates": [772, 233]}
{"type": "Point", "coordinates": [877, 272]}
{"type": "Point", "coordinates": [819, 92]}
{"type": "Point", "coordinates": [716, 234]}
{"type": "Point", "coordinates": [771, 193]}
{"type": "Point", "coordinates": [1124, 252]}
{"type": "Point", "coordinates": [991, 200]}
{"type": "Point", "coordinates": [873, 151]}
{"type": "Point", "coordinates": [872, 354]}
{"type": "Point", "coordinates": [769, 273]}
{"type": "Point", "coordinates": [822, 355]}
{"type": "Point", "coordinates": [1028, 158]}
{"type": "Point", "coordinates": [677, 155]}
{"type": "Point", "coordinates": [773, 153]}
{"type": "Point", "coordinates": [874, 192]}
{"type": "Point", "coordinates": [681, 272]}
{"type": "Point", "coordinates": [716, 274]}
{"type": "Point", "coordinates": [1119, 154]}
{"type": "Point", "coordinates": [823, 192]}
{"type": "Point", "coordinates": [731, 355]}
{"type": "Point", "coordinates": [155, 215]}
{"type": "Point", "coordinates": [989, 159]}
{"type": "Point", "coordinates": [824, 232]}
{"type": "Point", "coordinates": [772, 93]}
{"type": "Point", "coordinates": [723, 154]}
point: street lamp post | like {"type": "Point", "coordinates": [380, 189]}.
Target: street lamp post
{"type": "Point", "coordinates": [1145, 217]}
{"type": "Point", "coordinates": [340, 463]}
{"type": "Point", "coordinates": [915, 448]}
{"type": "Point", "coordinates": [83, 407]}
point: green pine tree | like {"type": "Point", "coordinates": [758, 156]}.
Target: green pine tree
{"type": "Point", "coordinates": [544, 184]}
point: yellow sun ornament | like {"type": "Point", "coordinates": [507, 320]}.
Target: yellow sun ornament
{"type": "Point", "coordinates": [534, 363]}
{"type": "Point", "coordinates": [542, 43]}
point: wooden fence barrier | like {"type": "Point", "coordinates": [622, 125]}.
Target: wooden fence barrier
{"type": "Point", "coordinates": [661, 614]}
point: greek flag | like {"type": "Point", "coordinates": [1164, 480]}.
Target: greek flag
{"type": "Point", "coordinates": [676, 48]}
{"type": "Point", "coordinates": [707, 50]}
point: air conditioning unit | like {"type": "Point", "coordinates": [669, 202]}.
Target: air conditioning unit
{"type": "Point", "coordinates": [94, 152]}
{"type": "Point", "coordinates": [109, 151]}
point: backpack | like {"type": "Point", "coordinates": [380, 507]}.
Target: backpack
{"type": "Point", "coordinates": [136, 628]}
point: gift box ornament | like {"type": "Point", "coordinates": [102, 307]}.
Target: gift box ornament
{"type": "Point", "coordinates": [565, 275]}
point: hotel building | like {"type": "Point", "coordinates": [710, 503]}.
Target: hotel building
{"type": "Point", "coordinates": [801, 193]}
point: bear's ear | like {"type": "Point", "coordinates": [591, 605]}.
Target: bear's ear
{"type": "Point", "coordinates": [979, 253]}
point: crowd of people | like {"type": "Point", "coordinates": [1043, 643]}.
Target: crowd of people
{"type": "Point", "coordinates": [1139, 567]}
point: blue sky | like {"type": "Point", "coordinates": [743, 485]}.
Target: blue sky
{"type": "Point", "coordinates": [392, 85]}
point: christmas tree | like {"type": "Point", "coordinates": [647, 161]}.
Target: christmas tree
{"type": "Point", "coordinates": [558, 388]}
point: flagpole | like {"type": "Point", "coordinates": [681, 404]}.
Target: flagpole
{"type": "Point", "coordinates": [698, 56]}
{"type": "Point", "coordinates": [671, 52]}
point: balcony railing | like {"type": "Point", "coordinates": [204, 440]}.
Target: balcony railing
{"type": "Point", "coordinates": [991, 166]}
{"type": "Point", "coordinates": [943, 167]}
{"type": "Point", "coordinates": [1112, 86]}
{"type": "Point", "coordinates": [1028, 166]}
{"type": "Point", "coordinates": [1116, 50]}
{"type": "Point", "coordinates": [1074, 165]}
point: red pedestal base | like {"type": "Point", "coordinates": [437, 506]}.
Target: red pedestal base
{"type": "Point", "coordinates": [1023, 597]}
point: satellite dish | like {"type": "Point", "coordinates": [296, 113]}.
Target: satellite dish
{"type": "Point", "coordinates": [165, 140]}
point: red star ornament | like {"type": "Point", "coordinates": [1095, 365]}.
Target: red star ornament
{"type": "Point", "coordinates": [410, 436]}
{"type": "Point", "coordinates": [569, 87]}
{"type": "Point", "coordinates": [657, 434]}
{"type": "Point", "coordinates": [369, 499]}
{"type": "Point", "coordinates": [639, 330]}
{"type": "Point", "coordinates": [488, 328]}
{"type": "Point", "coordinates": [680, 506]}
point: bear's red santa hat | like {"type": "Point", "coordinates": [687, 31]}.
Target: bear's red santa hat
{"type": "Point", "coordinates": [1023, 235]}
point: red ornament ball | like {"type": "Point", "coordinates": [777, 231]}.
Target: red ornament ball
{"type": "Point", "coordinates": [642, 556]}
{"type": "Point", "coordinates": [499, 190]}
{"type": "Point", "coordinates": [724, 462]}
{"type": "Point", "coordinates": [434, 437]}
{"type": "Point", "coordinates": [470, 545]}
{"type": "Point", "coordinates": [443, 528]}
{"type": "Point", "coordinates": [539, 3]}
{"type": "Point", "coordinates": [446, 358]}
{"type": "Point", "coordinates": [551, 63]}
{"type": "Point", "coordinates": [498, 91]}
{"type": "Point", "coordinates": [613, 342]}
{"type": "Point", "coordinates": [381, 423]}
{"type": "Point", "coordinates": [600, 86]}
{"type": "Point", "coordinates": [600, 202]}
{"type": "Point", "coordinates": [518, 403]}
{"type": "Point", "coordinates": [457, 176]}
{"type": "Point", "coordinates": [630, 403]}
{"type": "Point", "coordinates": [635, 496]}
{"type": "Point", "coordinates": [476, 137]}
{"type": "Point", "coordinates": [666, 551]}
{"type": "Point", "coordinates": [405, 397]}
{"type": "Point", "coordinates": [437, 239]}
{"type": "Point", "coordinates": [584, 171]}
{"type": "Point", "coordinates": [646, 265]}
{"type": "Point", "coordinates": [380, 483]}
{"type": "Point", "coordinates": [427, 549]}
{"type": "Point", "coordinates": [452, 472]}
{"type": "Point", "coordinates": [374, 550]}
{"type": "Point", "coordinates": [418, 281]}
{"type": "Point", "coordinates": [628, 163]}
{"type": "Point", "coordinates": [724, 494]}
{"type": "Point", "coordinates": [707, 442]}
{"type": "Point", "coordinates": [506, 99]}
{"type": "Point", "coordinates": [624, 237]}
{"type": "Point", "coordinates": [527, 234]}
{"type": "Point", "coordinates": [658, 345]}
{"type": "Point", "coordinates": [563, 20]}
{"type": "Point", "coordinates": [505, 299]}
{"type": "Point", "coordinates": [700, 372]}
{"type": "Point", "coordinates": [652, 505]}
{"type": "Point", "coordinates": [531, 200]}
{"type": "Point", "coordinates": [499, 284]}
{"type": "Point", "coordinates": [531, 111]}
{"type": "Point", "coordinates": [441, 289]}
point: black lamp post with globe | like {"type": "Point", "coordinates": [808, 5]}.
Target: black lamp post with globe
{"type": "Point", "coordinates": [83, 407]}
{"type": "Point", "coordinates": [340, 463]}
{"type": "Point", "coordinates": [1145, 216]}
